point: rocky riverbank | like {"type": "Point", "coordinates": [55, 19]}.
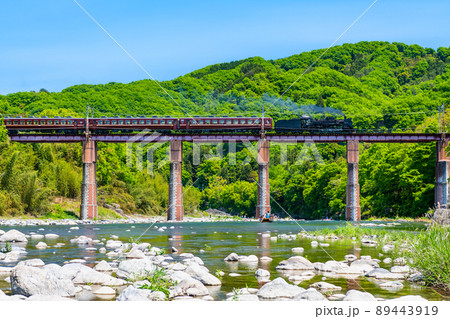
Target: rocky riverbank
{"type": "Point", "coordinates": [139, 271]}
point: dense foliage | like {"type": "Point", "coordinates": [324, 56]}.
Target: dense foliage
{"type": "Point", "coordinates": [382, 86]}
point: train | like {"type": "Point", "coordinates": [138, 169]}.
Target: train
{"type": "Point", "coordinates": [165, 124]}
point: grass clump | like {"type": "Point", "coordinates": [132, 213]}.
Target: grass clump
{"type": "Point", "coordinates": [59, 212]}
{"type": "Point", "coordinates": [7, 248]}
{"type": "Point", "coordinates": [430, 254]}
{"type": "Point", "coordinates": [158, 280]}
{"type": "Point", "coordinates": [350, 230]}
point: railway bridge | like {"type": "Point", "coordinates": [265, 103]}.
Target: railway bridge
{"type": "Point", "coordinates": [175, 209]}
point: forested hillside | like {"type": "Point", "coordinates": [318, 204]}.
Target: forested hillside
{"type": "Point", "coordinates": [382, 86]}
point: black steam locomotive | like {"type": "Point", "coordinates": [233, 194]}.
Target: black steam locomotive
{"type": "Point", "coordinates": [308, 124]}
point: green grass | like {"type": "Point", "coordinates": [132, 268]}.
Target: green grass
{"type": "Point", "coordinates": [7, 248]}
{"type": "Point", "coordinates": [105, 213]}
{"type": "Point", "coordinates": [383, 236]}
{"type": "Point", "coordinates": [350, 230]}
{"type": "Point", "coordinates": [159, 280]}
{"type": "Point", "coordinates": [430, 254]}
{"type": "Point", "coordinates": [59, 212]}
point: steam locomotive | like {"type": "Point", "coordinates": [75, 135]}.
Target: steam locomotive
{"type": "Point", "coordinates": [106, 125]}
{"type": "Point", "coordinates": [308, 124]}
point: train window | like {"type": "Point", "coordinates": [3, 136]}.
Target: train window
{"type": "Point", "coordinates": [214, 122]}
{"type": "Point", "coordinates": [141, 122]}
{"type": "Point", "coordinates": [70, 122]}
{"type": "Point", "coordinates": [242, 121]}
{"type": "Point", "coordinates": [155, 121]}
{"type": "Point", "coordinates": [28, 122]}
{"type": "Point", "coordinates": [35, 122]}
{"type": "Point", "coordinates": [106, 122]}
{"type": "Point", "coordinates": [8, 122]}
{"type": "Point", "coordinates": [193, 122]}
{"type": "Point", "coordinates": [228, 121]}
{"type": "Point", "coordinates": [169, 121]}
{"type": "Point", "coordinates": [200, 122]}
{"type": "Point", "coordinates": [207, 121]}
{"type": "Point", "coordinates": [22, 122]}
{"type": "Point", "coordinates": [163, 122]}
{"type": "Point", "coordinates": [256, 121]}
{"type": "Point", "coordinates": [134, 122]}
{"type": "Point", "coordinates": [149, 122]}
{"type": "Point", "coordinates": [57, 122]}
{"type": "Point", "coordinates": [222, 121]}
{"type": "Point", "coordinates": [99, 122]}
{"type": "Point", "coordinates": [63, 122]}
{"type": "Point", "coordinates": [49, 122]}
{"type": "Point", "coordinates": [236, 122]}
{"type": "Point", "coordinates": [113, 122]}
{"type": "Point", "coordinates": [120, 122]}
{"type": "Point", "coordinates": [127, 122]}
{"type": "Point", "coordinates": [267, 122]}
{"type": "Point", "coordinates": [15, 122]}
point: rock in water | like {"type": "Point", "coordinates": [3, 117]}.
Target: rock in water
{"type": "Point", "coordinates": [136, 254]}
{"type": "Point", "coordinates": [192, 287]}
{"type": "Point", "coordinates": [356, 295]}
{"type": "Point", "coordinates": [262, 273]}
{"type": "Point", "coordinates": [296, 263]}
{"type": "Point", "coordinates": [36, 262]}
{"type": "Point", "coordinates": [311, 295]}
{"type": "Point", "coordinates": [232, 257]}
{"type": "Point", "coordinates": [278, 288]}
{"type": "Point", "coordinates": [103, 266]}
{"type": "Point", "coordinates": [350, 257]}
{"type": "Point", "coordinates": [134, 268]}
{"type": "Point", "coordinates": [81, 240]}
{"type": "Point", "coordinates": [325, 286]}
{"type": "Point", "coordinates": [396, 285]}
{"type": "Point", "coordinates": [41, 245]}
{"type": "Point", "coordinates": [248, 259]}
{"type": "Point", "coordinates": [134, 294]}
{"type": "Point", "coordinates": [28, 281]}
{"type": "Point", "coordinates": [201, 274]}
{"type": "Point", "coordinates": [51, 236]}
{"type": "Point", "coordinates": [81, 274]}
{"type": "Point", "coordinates": [13, 236]}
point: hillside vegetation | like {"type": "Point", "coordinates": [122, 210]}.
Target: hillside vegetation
{"type": "Point", "coordinates": [382, 86]}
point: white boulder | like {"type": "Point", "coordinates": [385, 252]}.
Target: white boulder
{"type": "Point", "coordinates": [13, 236]}
{"type": "Point", "coordinates": [278, 288]}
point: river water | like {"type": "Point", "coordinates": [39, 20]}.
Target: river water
{"type": "Point", "coordinates": [218, 240]}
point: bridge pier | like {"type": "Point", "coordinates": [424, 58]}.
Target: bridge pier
{"type": "Point", "coordinates": [441, 189]}
{"type": "Point", "coordinates": [353, 210]}
{"type": "Point", "coordinates": [89, 209]}
{"type": "Point", "coordinates": [176, 209]}
{"type": "Point", "coordinates": [263, 200]}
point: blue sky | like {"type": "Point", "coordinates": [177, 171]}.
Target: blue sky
{"type": "Point", "coordinates": [53, 44]}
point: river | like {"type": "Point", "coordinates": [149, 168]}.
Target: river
{"type": "Point", "coordinates": [219, 239]}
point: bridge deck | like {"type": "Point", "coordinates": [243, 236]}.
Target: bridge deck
{"type": "Point", "coordinates": [213, 138]}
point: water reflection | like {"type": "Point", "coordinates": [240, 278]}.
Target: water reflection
{"type": "Point", "coordinates": [176, 239]}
